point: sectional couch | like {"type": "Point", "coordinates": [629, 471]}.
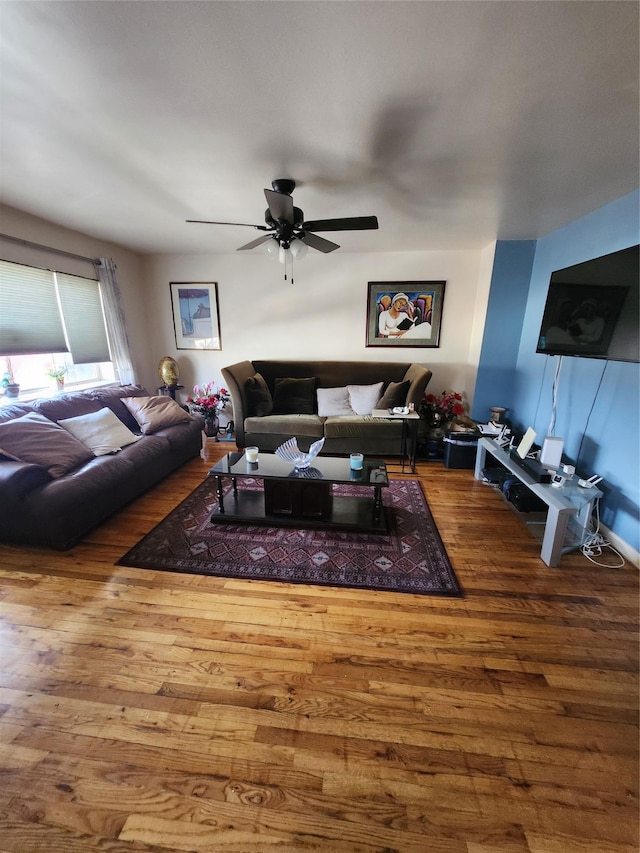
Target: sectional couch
{"type": "Point", "coordinates": [70, 461]}
{"type": "Point", "coordinates": [275, 400]}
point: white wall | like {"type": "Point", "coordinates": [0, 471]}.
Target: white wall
{"type": "Point", "coordinates": [321, 315]}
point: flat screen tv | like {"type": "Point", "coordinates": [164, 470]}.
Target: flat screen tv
{"type": "Point", "coordinates": [593, 309]}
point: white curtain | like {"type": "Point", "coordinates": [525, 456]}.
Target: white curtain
{"type": "Point", "coordinates": [115, 322]}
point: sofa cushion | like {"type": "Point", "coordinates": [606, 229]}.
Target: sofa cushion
{"type": "Point", "coordinates": [14, 410]}
{"type": "Point", "coordinates": [34, 438]}
{"type": "Point", "coordinates": [287, 425]}
{"type": "Point", "coordinates": [153, 413]}
{"type": "Point", "coordinates": [259, 399]}
{"type": "Point", "coordinates": [179, 434]}
{"type": "Point", "coordinates": [294, 396]}
{"type": "Point", "coordinates": [333, 401]}
{"type": "Point", "coordinates": [17, 479]}
{"type": "Point", "coordinates": [101, 431]}
{"type": "Point", "coordinates": [70, 405]}
{"type": "Point", "coordinates": [395, 395]}
{"type": "Point", "coordinates": [364, 398]}
{"type": "Point", "coordinates": [112, 396]}
{"type": "Point", "coordinates": [360, 427]}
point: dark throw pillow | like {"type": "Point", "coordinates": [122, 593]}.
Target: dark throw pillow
{"type": "Point", "coordinates": [259, 400]}
{"type": "Point", "coordinates": [294, 396]}
{"type": "Point", "coordinates": [395, 395]}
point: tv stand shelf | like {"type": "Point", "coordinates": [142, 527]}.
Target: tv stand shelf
{"type": "Point", "coordinates": [569, 507]}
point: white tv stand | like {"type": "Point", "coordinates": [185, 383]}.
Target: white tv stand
{"type": "Point", "coordinates": [565, 504]}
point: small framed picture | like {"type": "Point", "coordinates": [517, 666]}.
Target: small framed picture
{"type": "Point", "coordinates": [404, 313]}
{"type": "Point", "coordinates": [195, 314]}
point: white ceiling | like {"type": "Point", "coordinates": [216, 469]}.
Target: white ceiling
{"type": "Point", "coordinates": [454, 122]}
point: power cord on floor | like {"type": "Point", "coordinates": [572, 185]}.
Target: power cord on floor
{"type": "Point", "coordinates": [595, 545]}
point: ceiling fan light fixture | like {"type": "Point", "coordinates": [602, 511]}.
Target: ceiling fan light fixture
{"type": "Point", "coordinates": [273, 249]}
{"type": "Point", "coordinates": [299, 249]}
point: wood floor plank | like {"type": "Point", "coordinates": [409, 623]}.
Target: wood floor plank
{"type": "Point", "coordinates": [147, 712]}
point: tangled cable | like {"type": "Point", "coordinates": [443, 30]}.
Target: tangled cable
{"type": "Point", "coordinates": [595, 544]}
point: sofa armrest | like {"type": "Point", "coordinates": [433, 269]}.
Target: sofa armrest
{"type": "Point", "coordinates": [19, 478]}
{"type": "Point", "coordinates": [235, 376]}
{"type": "Point", "coordinates": [419, 378]}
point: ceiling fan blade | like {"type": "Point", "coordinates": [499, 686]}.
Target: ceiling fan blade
{"type": "Point", "coordinates": [246, 224]}
{"type": "Point", "coordinates": [318, 243]}
{"type": "Point", "coordinates": [254, 243]}
{"type": "Point", "coordinates": [280, 206]}
{"type": "Point", "coordinates": [349, 223]}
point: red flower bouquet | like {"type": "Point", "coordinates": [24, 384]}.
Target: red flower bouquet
{"type": "Point", "coordinates": [208, 400]}
{"type": "Point", "coordinates": [442, 408]}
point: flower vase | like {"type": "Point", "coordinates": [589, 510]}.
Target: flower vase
{"type": "Point", "coordinates": [211, 427]}
{"type": "Point", "coordinates": [60, 384]}
{"type": "Point", "coordinates": [438, 428]}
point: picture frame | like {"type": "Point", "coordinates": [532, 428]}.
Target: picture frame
{"type": "Point", "coordinates": [196, 319]}
{"type": "Point", "coordinates": [415, 320]}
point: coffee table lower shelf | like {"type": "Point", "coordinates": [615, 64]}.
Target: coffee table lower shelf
{"type": "Point", "coordinates": [343, 513]}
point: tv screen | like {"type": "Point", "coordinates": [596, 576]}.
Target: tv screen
{"type": "Point", "coordinates": [593, 309]}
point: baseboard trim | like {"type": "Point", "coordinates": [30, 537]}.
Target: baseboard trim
{"type": "Point", "coordinates": [628, 552]}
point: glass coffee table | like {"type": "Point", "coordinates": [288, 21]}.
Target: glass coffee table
{"type": "Point", "coordinates": [301, 498]}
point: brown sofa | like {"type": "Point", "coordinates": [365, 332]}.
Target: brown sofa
{"type": "Point", "coordinates": [343, 433]}
{"type": "Point", "coordinates": [53, 486]}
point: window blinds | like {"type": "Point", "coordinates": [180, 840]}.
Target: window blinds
{"type": "Point", "coordinates": [29, 317]}
{"type": "Point", "coordinates": [46, 312]}
{"type": "Point", "coordinates": [83, 318]}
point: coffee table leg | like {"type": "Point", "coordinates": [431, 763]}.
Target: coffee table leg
{"type": "Point", "coordinates": [377, 503]}
{"type": "Point", "coordinates": [219, 493]}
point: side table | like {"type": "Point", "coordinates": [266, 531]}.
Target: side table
{"type": "Point", "coordinates": [169, 390]}
{"type": "Point", "coordinates": [409, 421]}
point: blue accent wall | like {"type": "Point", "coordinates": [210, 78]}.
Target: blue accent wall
{"type": "Point", "coordinates": [510, 279]}
{"type": "Point", "coordinates": [598, 402]}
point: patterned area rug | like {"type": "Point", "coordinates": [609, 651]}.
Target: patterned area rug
{"type": "Point", "coordinates": [410, 559]}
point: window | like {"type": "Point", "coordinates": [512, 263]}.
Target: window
{"type": "Point", "coordinates": [30, 372]}
{"type": "Point", "coordinates": [50, 319]}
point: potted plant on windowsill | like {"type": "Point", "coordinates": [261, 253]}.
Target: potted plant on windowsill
{"type": "Point", "coordinates": [10, 386]}
{"type": "Point", "coordinates": [57, 374]}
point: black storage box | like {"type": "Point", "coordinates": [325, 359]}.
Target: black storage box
{"type": "Point", "coordinates": [460, 450]}
{"type": "Point", "coordinates": [521, 497]}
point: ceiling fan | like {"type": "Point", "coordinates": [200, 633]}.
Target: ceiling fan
{"type": "Point", "coordinates": [287, 228]}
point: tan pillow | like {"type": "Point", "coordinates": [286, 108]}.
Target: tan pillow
{"type": "Point", "coordinates": [34, 438]}
{"type": "Point", "coordinates": [154, 413]}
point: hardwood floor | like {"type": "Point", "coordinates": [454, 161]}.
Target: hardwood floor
{"type": "Point", "coordinates": [149, 711]}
